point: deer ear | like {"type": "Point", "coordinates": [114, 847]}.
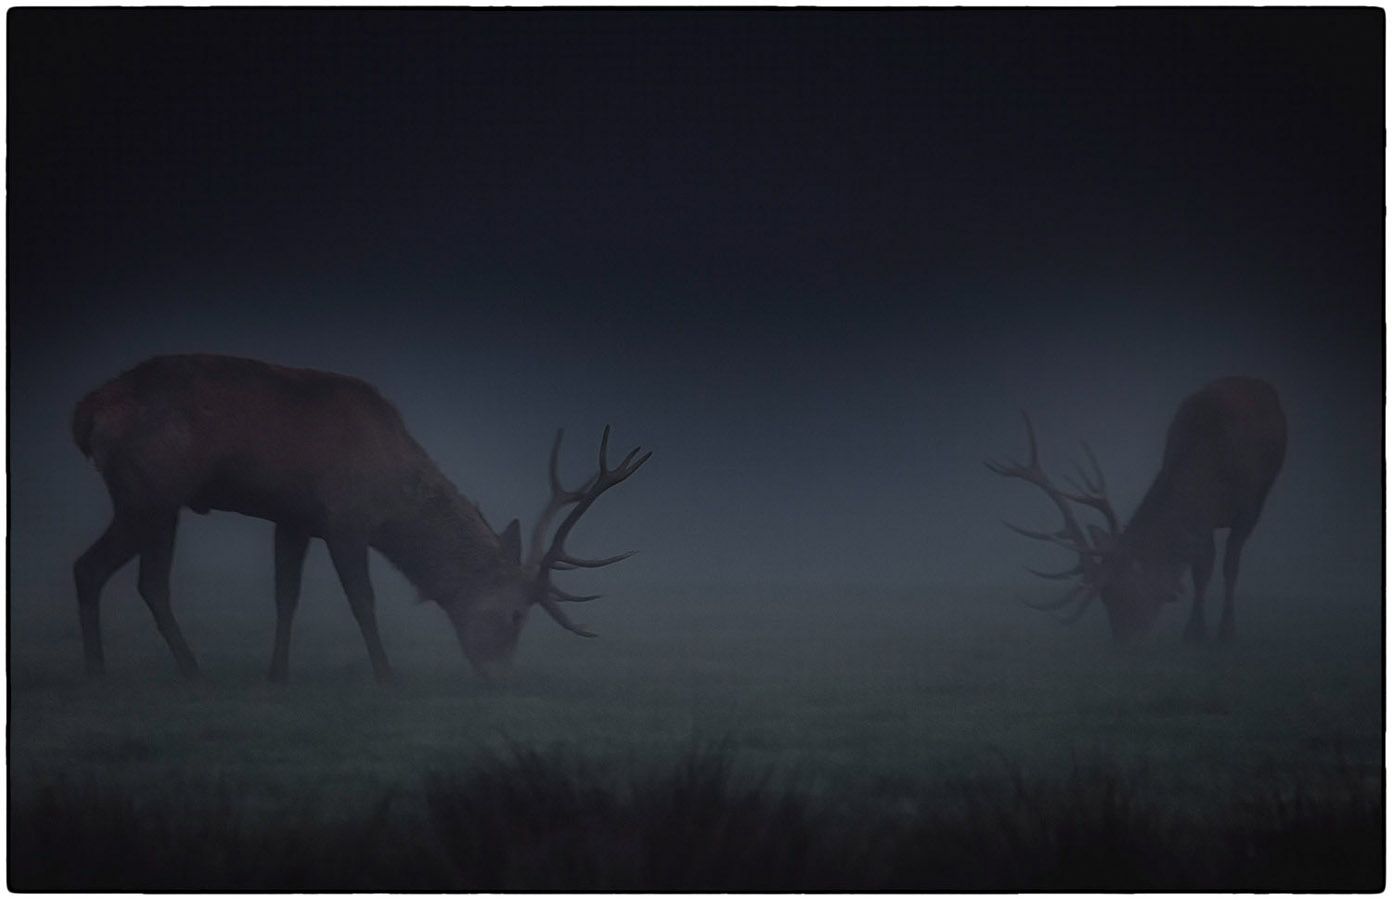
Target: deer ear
{"type": "Point", "coordinates": [512, 541]}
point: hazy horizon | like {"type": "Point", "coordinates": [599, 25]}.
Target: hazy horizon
{"type": "Point", "coordinates": [816, 260]}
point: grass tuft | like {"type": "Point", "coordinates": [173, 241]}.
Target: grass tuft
{"type": "Point", "coordinates": [548, 820]}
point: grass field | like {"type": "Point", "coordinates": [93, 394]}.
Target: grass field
{"type": "Point", "coordinates": [716, 738]}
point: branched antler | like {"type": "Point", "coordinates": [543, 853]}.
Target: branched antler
{"type": "Point", "coordinates": [546, 559]}
{"type": "Point", "coordinates": [1091, 492]}
{"type": "Point", "coordinates": [1071, 535]}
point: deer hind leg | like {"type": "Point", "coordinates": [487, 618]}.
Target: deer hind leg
{"type": "Point", "coordinates": [350, 559]}
{"type": "Point", "coordinates": [1202, 570]}
{"type": "Point", "coordinates": [116, 547]}
{"type": "Point", "coordinates": [156, 559]}
{"type": "Point", "coordinates": [1232, 560]}
{"type": "Point", "coordinates": [290, 547]}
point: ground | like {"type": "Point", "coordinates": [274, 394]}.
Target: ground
{"type": "Point", "coordinates": [882, 697]}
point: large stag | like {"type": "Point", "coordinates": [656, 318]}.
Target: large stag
{"type": "Point", "coordinates": [1222, 454]}
{"type": "Point", "coordinates": [320, 455]}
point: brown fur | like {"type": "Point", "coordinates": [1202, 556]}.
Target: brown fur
{"type": "Point", "coordinates": [1224, 449]}
{"type": "Point", "coordinates": [319, 454]}
{"type": "Point", "coordinates": [1223, 452]}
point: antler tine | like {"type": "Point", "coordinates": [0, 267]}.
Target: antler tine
{"type": "Point", "coordinates": [1096, 469]}
{"type": "Point", "coordinates": [557, 553]}
{"type": "Point", "coordinates": [561, 497]}
{"type": "Point", "coordinates": [1057, 576]}
{"type": "Point", "coordinates": [1103, 505]}
{"type": "Point", "coordinates": [1034, 444]}
{"type": "Point", "coordinates": [555, 557]}
{"type": "Point", "coordinates": [1049, 536]}
{"type": "Point", "coordinates": [549, 604]}
{"type": "Point", "coordinates": [1082, 484]}
{"type": "Point", "coordinates": [1063, 538]}
{"type": "Point", "coordinates": [1028, 471]}
{"type": "Point", "coordinates": [567, 597]}
{"type": "Point", "coordinates": [553, 466]}
{"type": "Point", "coordinates": [604, 453]}
{"type": "Point", "coordinates": [553, 470]}
{"type": "Point", "coordinates": [1093, 491]}
{"type": "Point", "coordinates": [1031, 533]}
{"type": "Point", "coordinates": [1071, 535]}
{"type": "Point", "coordinates": [1088, 483]}
{"type": "Point", "coordinates": [624, 469]}
{"type": "Point", "coordinates": [629, 458]}
{"type": "Point", "coordinates": [566, 562]}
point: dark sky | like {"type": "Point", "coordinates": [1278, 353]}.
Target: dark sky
{"type": "Point", "coordinates": [817, 259]}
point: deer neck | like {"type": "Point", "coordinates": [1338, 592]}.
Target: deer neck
{"type": "Point", "coordinates": [440, 541]}
{"type": "Point", "coordinates": [1168, 520]}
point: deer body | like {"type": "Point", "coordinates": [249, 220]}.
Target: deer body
{"type": "Point", "coordinates": [320, 455]}
{"type": "Point", "coordinates": [1223, 452]}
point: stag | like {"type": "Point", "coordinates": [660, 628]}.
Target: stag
{"type": "Point", "coordinates": [321, 456]}
{"type": "Point", "coordinates": [1223, 451]}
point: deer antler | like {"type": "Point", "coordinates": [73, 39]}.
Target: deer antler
{"type": "Point", "coordinates": [1071, 536]}
{"type": "Point", "coordinates": [556, 557]}
{"type": "Point", "coordinates": [1092, 491]}
{"type": "Point", "coordinates": [560, 499]}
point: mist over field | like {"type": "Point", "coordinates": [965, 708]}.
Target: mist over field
{"type": "Point", "coordinates": [817, 261]}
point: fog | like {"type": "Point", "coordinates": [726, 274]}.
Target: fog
{"type": "Point", "coordinates": [821, 465]}
{"type": "Point", "coordinates": [818, 261]}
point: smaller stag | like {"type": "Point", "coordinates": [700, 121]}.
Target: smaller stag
{"type": "Point", "coordinates": [321, 456]}
{"type": "Point", "coordinates": [1223, 451]}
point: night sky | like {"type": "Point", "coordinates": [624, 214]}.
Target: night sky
{"type": "Point", "coordinates": [816, 259]}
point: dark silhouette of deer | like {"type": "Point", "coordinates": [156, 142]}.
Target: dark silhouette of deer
{"type": "Point", "coordinates": [321, 456]}
{"type": "Point", "coordinates": [1223, 451]}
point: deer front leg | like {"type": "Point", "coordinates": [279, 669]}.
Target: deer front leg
{"type": "Point", "coordinates": [350, 559]}
{"type": "Point", "coordinates": [1232, 561]}
{"type": "Point", "coordinates": [156, 558]}
{"type": "Point", "coordinates": [290, 546]}
{"type": "Point", "coordinates": [1201, 571]}
{"type": "Point", "coordinates": [116, 547]}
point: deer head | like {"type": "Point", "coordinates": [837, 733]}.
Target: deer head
{"type": "Point", "coordinates": [1133, 589]}
{"type": "Point", "coordinates": [488, 627]}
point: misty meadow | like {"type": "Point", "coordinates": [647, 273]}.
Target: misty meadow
{"type": "Point", "coordinates": [901, 719]}
{"type": "Point", "coordinates": [360, 266]}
